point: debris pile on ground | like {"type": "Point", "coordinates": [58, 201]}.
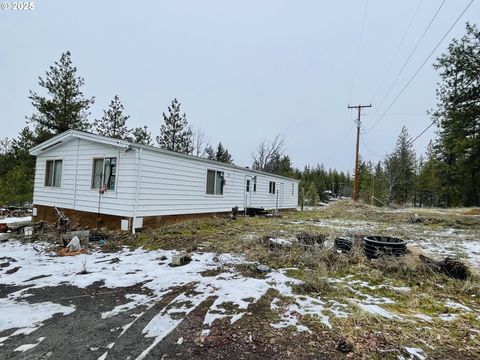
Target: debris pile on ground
{"type": "Point", "coordinates": [308, 239]}
{"type": "Point", "coordinates": [453, 268]}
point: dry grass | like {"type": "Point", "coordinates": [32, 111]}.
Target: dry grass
{"type": "Point", "coordinates": [427, 292]}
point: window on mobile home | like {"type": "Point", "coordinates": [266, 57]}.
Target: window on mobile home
{"type": "Point", "coordinates": [53, 173]}
{"type": "Point", "coordinates": [104, 173]}
{"type": "Point", "coordinates": [271, 188]}
{"type": "Point", "coordinates": [215, 182]}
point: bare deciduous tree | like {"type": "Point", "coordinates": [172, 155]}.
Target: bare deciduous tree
{"type": "Point", "coordinates": [267, 152]}
{"type": "Point", "coordinates": [5, 146]}
{"type": "Point", "coordinates": [200, 143]}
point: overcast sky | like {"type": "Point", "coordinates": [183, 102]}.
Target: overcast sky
{"type": "Point", "coordinates": [244, 70]}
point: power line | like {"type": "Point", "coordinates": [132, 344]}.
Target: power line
{"type": "Point", "coordinates": [394, 56]}
{"type": "Point", "coordinates": [408, 58]}
{"type": "Point", "coordinates": [437, 117]}
{"type": "Point", "coordinates": [354, 78]}
{"type": "Point", "coordinates": [423, 132]}
{"type": "Point", "coordinates": [422, 65]}
{"type": "Point", "coordinates": [369, 150]}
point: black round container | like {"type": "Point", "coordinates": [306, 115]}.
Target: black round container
{"type": "Point", "coordinates": [378, 246]}
{"type": "Point", "coordinates": [344, 244]}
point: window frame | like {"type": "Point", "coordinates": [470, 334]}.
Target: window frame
{"type": "Point", "coordinates": [215, 177]}
{"type": "Point", "coordinates": [272, 187]}
{"type": "Point", "coordinates": [102, 180]}
{"type": "Point", "coordinates": [45, 180]}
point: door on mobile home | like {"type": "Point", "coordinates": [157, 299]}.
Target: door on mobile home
{"type": "Point", "coordinates": [248, 191]}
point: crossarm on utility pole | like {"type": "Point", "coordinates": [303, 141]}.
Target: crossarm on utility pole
{"type": "Point", "coordinates": [359, 124]}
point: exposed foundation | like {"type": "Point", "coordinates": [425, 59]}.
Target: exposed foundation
{"type": "Point", "coordinates": [83, 219]}
{"type": "Point", "coordinates": [90, 220]}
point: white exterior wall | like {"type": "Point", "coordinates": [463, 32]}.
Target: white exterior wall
{"type": "Point", "coordinates": [162, 183]}
{"type": "Point", "coordinates": [174, 185]}
{"type": "Point", "coordinates": [75, 191]}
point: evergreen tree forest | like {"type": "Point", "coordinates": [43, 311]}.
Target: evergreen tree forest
{"type": "Point", "coordinates": [446, 173]}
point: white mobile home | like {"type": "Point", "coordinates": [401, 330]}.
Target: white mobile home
{"type": "Point", "coordinates": [125, 185]}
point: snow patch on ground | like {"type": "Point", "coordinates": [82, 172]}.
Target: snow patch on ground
{"type": "Point", "coordinates": [448, 317]}
{"type": "Point", "coordinates": [415, 353]}
{"type": "Point", "coordinates": [23, 315]}
{"type": "Point", "coordinates": [27, 347]}
{"type": "Point", "coordinates": [454, 305]}
{"type": "Point", "coordinates": [377, 310]}
{"type": "Point", "coordinates": [14, 220]}
{"type": "Point", "coordinates": [233, 292]}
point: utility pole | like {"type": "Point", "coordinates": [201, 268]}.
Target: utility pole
{"type": "Point", "coordinates": [359, 123]}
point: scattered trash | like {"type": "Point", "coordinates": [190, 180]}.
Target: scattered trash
{"type": "Point", "coordinates": [66, 252]}
{"type": "Point", "coordinates": [204, 245]}
{"type": "Point", "coordinates": [102, 242]}
{"type": "Point", "coordinates": [180, 341]}
{"type": "Point", "coordinates": [28, 230]}
{"type": "Point", "coordinates": [263, 268]}
{"type": "Point", "coordinates": [310, 239]}
{"type": "Point", "coordinates": [180, 259]}
{"type": "Point", "coordinates": [275, 243]}
{"type": "Point", "coordinates": [344, 244]}
{"type": "Point", "coordinates": [344, 346]}
{"type": "Point", "coordinates": [234, 213]}
{"type": "Point", "coordinates": [251, 211]}
{"type": "Point", "coordinates": [63, 224]}
{"type": "Point", "coordinates": [378, 246]}
{"type": "Point", "coordinates": [74, 244]}
{"type": "Point", "coordinates": [453, 268]}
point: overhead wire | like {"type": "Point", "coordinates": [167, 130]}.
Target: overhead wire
{"type": "Point", "coordinates": [394, 56]}
{"type": "Point", "coordinates": [405, 63]}
{"type": "Point", "coordinates": [368, 148]}
{"type": "Point", "coordinates": [422, 65]}
{"type": "Point", "coordinates": [437, 117]}
{"type": "Point", "coordinates": [354, 78]}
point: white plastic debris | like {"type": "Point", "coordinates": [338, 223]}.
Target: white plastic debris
{"type": "Point", "coordinates": [74, 244]}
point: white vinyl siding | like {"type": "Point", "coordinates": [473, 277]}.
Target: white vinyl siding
{"type": "Point", "coordinates": [76, 191]}
{"type": "Point", "coordinates": [151, 182]}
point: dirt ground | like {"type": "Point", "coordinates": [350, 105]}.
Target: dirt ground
{"type": "Point", "coordinates": [313, 304]}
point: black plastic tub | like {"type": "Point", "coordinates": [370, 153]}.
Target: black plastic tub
{"type": "Point", "coordinates": [344, 244]}
{"type": "Point", "coordinates": [379, 246]}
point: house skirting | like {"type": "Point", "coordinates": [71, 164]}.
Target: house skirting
{"type": "Point", "coordinates": [90, 220]}
{"type": "Point", "coordinates": [83, 219]}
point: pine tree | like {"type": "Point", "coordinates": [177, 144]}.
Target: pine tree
{"type": "Point", "coordinates": [458, 116]}
{"type": "Point", "coordinates": [113, 122]}
{"type": "Point", "coordinates": [141, 135]}
{"type": "Point", "coordinates": [175, 135]}
{"type": "Point", "coordinates": [405, 162]}
{"type": "Point", "coordinates": [223, 155]}
{"type": "Point", "coordinates": [65, 107]}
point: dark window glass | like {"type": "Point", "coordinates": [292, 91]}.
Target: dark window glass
{"type": "Point", "coordinates": [211, 182]}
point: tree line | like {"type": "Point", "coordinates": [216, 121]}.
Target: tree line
{"type": "Point", "coordinates": [446, 175]}
{"type": "Point", "coordinates": [65, 107]}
